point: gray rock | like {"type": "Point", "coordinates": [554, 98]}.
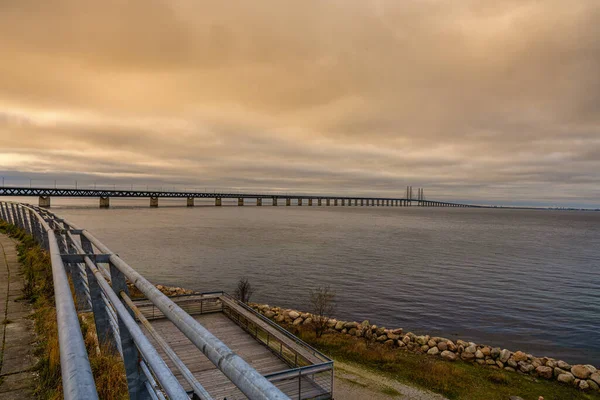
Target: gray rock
{"type": "Point", "coordinates": [544, 372]}
{"type": "Point", "coordinates": [479, 354]}
{"type": "Point", "coordinates": [565, 378]}
{"type": "Point", "coordinates": [293, 314]}
{"type": "Point", "coordinates": [442, 346]}
{"type": "Point", "coordinates": [350, 325]}
{"type": "Point", "coordinates": [525, 367]}
{"type": "Point", "coordinates": [495, 353]}
{"type": "Point", "coordinates": [433, 351]}
{"type": "Point", "coordinates": [504, 355]}
{"type": "Point", "coordinates": [448, 355]}
{"type": "Point", "coordinates": [563, 365]}
{"type": "Point", "coordinates": [298, 321]}
{"type": "Point", "coordinates": [471, 349]}
{"type": "Point", "coordinates": [583, 385]}
{"type": "Point", "coordinates": [595, 377]}
{"type": "Point", "coordinates": [421, 340]}
{"type": "Point", "coordinates": [489, 361]}
{"type": "Point", "coordinates": [558, 371]}
{"type": "Point", "coordinates": [593, 385]}
{"type": "Point", "coordinates": [431, 343]}
{"type": "Point", "coordinates": [512, 363]}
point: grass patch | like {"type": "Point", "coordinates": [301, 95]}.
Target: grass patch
{"type": "Point", "coordinates": [107, 366]}
{"type": "Point", "coordinates": [455, 380]}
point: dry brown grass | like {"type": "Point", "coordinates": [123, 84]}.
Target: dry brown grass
{"type": "Point", "coordinates": [106, 363]}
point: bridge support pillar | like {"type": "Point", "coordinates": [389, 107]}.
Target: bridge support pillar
{"type": "Point", "coordinates": [310, 202]}
{"type": "Point", "coordinates": [362, 202]}
{"type": "Point", "coordinates": [44, 201]}
{"type": "Point", "coordinates": [218, 202]}
{"type": "Point", "coordinates": [240, 201]}
{"type": "Point", "coordinates": [258, 202]}
{"type": "Point", "coordinates": [153, 201]}
{"type": "Point", "coordinates": [288, 202]}
{"type": "Point", "coordinates": [319, 202]}
{"type": "Point", "coordinates": [299, 202]}
{"type": "Point", "coordinates": [328, 202]}
{"type": "Point", "coordinates": [343, 202]}
{"type": "Point", "coordinates": [104, 202]}
{"type": "Point", "coordinates": [190, 202]}
{"type": "Point", "coordinates": [274, 201]}
{"type": "Point", "coordinates": [335, 201]}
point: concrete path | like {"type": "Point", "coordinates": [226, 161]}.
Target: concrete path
{"type": "Point", "coordinates": [16, 329]}
{"type": "Point", "coordinates": [353, 382]}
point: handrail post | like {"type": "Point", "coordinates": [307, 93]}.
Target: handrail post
{"type": "Point", "coordinates": [135, 380]}
{"type": "Point", "coordinates": [83, 303]}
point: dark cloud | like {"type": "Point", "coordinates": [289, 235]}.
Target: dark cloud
{"type": "Point", "coordinates": [475, 99]}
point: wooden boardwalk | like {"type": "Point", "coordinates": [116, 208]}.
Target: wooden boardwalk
{"type": "Point", "coordinates": [213, 380]}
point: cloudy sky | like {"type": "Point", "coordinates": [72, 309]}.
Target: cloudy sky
{"type": "Point", "coordinates": [480, 100]}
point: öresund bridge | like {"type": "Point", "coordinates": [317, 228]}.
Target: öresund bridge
{"type": "Point", "coordinates": [45, 195]}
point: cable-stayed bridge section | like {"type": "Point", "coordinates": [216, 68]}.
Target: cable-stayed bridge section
{"type": "Point", "coordinates": [45, 195]}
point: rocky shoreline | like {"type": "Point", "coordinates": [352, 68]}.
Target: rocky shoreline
{"type": "Point", "coordinates": [584, 377]}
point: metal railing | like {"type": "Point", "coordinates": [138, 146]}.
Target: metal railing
{"type": "Point", "coordinates": [99, 279]}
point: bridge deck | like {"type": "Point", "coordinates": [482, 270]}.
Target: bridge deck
{"type": "Point", "coordinates": [213, 380]}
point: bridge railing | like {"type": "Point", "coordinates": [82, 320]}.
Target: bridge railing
{"type": "Point", "coordinates": [100, 283]}
{"type": "Point", "coordinates": [76, 373]}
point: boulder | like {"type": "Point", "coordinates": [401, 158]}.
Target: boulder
{"type": "Point", "coordinates": [471, 349]}
{"type": "Point", "coordinates": [393, 336]}
{"type": "Point", "coordinates": [269, 314]}
{"type": "Point", "coordinates": [499, 364]}
{"type": "Point", "coordinates": [595, 377]}
{"type": "Point", "coordinates": [504, 355]}
{"type": "Point", "coordinates": [593, 385]}
{"type": "Point", "coordinates": [424, 348]}
{"type": "Point", "coordinates": [433, 351]}
{"type": "Point", "coordinates": [350, 325]}
{"type": "Point", "coordinates": [401, 343]}
{"type": "Point", "coordinates": [406, 339]}
{"type": "Point", "coordinates": [592, 368]}
{"type": "Point", "coordinates": [563, 365]}
{"type": "Point", "coordinates": [448, 355]}
{"type": "Point", "coordinates": [512, 363]}
{"type": "Point", "coordinates": [293, 314]}
{"type": "Point", "coordinates": [583, 385]}
{"type": "Point", "coordinates": [511, 369]}
{"type": "Point", "coordinates": [489, 361]}
{"type": "Point", "coordinates": [525, 367]}
{"type": "Point", "coordinates": [581, 371]}
{"type": "Point", "coordinates": [298, 321]}
{"type": "Point", "coordinates": [382, 338]}
{"type": "Point", "coordinates": [308, 321]}
{"type": "Point", "coordinates": [486, 351]}
{"type": "Point", "coordinates": [331, 323]}
{"type": "Point", "coordinates": [431, 343]}
{"type": "Point", "coordinates": [467, 356]}
{"type": "Point", "coordinates": [495, 353]}
{"type": "Point", "coordinates": [565, 378]}
{"type": "Point", "coordinates": [366, 324]}
{"type": "Point", "coordinates": [352, 331]}
{"type": "Point", "coordinates": [421, 340]}
{"type": "Point", "coordinates": [389, 342]}
{"type": "Point", "coordinates": [451, 345]}
{"type": "Point", "coordinates": [479, 354]}
{"type": "Point", "coordinates": [442, 346]}
{"type": "Point", "coordinates": [544, 372]}
{"type": "Point", "coordinates": [480, 361]}
{"type": "Point", "coordinates": [339, 325]}
{"type": "Point", "coordinates": [558, 371]}
{"type": "Point", "coordinates": [520, 356]}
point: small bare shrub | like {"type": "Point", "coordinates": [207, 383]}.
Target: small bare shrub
{"type": "Point", "coordinates": [322, 301]}
{"type": "Point", "coordinates": [244, 291]}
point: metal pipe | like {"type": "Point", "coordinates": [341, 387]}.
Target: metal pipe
{"type": "Point", "coordinates": [77, 378]}
{"type": "Point", "coordinates": [189, 377]}
{"type": "Point", "coordinates": [156, 363]}
{"type": "Point", "coordinates": [247, 379]}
